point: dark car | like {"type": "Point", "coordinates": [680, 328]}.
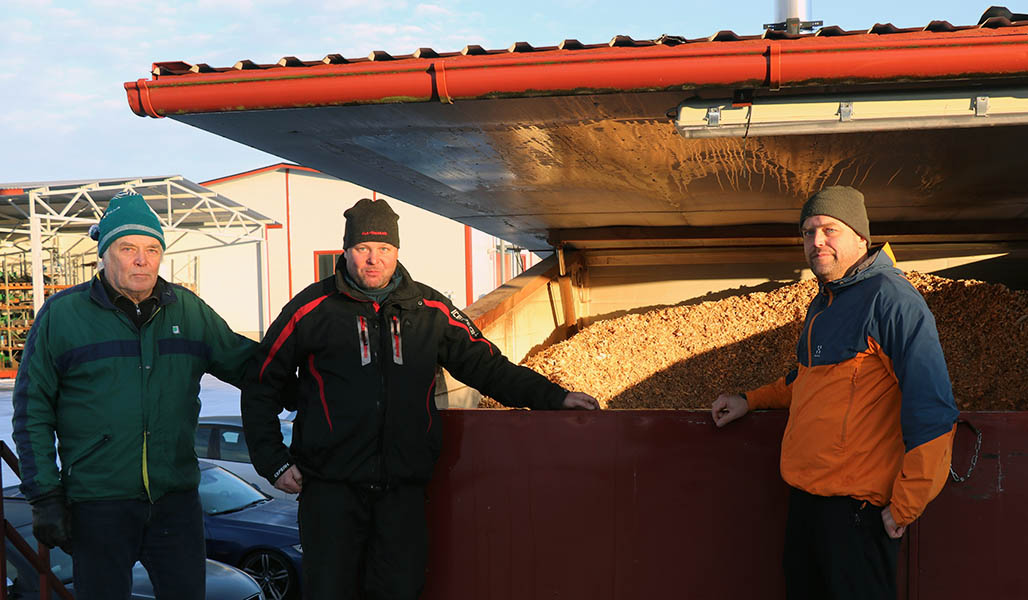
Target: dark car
{"type": "Point", "coordinates": [221, 441]}
{"type": "Point", "coordinates": [247, 528]}
{"type": "Point", "coordinates": [223, 581]}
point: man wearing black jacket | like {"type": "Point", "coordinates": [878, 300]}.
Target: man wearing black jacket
{"type": "Point", "coordinates": [367, 343]}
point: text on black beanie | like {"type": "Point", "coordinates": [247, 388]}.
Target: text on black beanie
{"type": "Point", "coordinates": [371, 221]}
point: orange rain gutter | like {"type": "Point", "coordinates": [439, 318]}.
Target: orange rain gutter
{"type": "Point", "coordinates": [814, 60]}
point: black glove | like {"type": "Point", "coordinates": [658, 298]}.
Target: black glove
{"type": "Point", "coordinates": [51, 521]}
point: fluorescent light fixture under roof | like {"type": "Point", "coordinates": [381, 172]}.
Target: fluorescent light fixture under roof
{"type": "Point", "coordinates": [856, 112]}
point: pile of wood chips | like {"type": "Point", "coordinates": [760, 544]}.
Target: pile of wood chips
{"type": "Point", "coordinates": [684, 356]}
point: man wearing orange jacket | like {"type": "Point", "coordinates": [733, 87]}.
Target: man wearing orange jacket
{"type": "Point", "coordinates": [871, 410]}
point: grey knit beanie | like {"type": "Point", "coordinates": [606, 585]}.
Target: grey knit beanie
{"type": "Point", "coordinates": [839, 202]}
{"type": "Point", "coordinates": [371, 221]}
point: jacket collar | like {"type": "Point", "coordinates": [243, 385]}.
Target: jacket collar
{"type": "Point", "coordinates": [877, 260]}
{"type": "Point", "coordinates": [164, 292]}
{"type": "Point", "coordinates": [406, 292]}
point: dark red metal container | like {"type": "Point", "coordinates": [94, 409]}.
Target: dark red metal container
{"type": "Point", "coordinates": [661, 504]}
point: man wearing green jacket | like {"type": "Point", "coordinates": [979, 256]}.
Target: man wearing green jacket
{"type": "Point", "coordinates": [112, 367]}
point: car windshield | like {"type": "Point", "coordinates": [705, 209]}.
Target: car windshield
{"type": "Point", "coordinates": [222, 492]}
{"type": "Point", "coordinates": [287, 433]}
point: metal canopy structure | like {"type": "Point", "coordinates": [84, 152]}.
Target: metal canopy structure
{"type": "Point", "coordinates": [33, 213]}
{"type": "Point", "coordinates": [579, 145]}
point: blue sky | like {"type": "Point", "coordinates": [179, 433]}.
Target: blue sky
{"type": "Point", "coordinates": [63, 110]}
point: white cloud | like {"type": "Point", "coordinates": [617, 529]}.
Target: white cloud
{"type": "Point", "coordinates": [41, 124]}
{"type": "Point", "coordinates": [64, 14]}
{"type": "Point", "coordinates": [432, 10]}
{"type": "Point", "coordinates": [71, 98]}
{"type": "Point", "coordinates": [362, 6]}
{"type": "Point", "coordinates": [19, 33]}
{"type": "Point", "coordinates": [116, 4]}
{"type": "Point", "coordinates": [354, 40]}
{"type": "Point", "coordinates": [225, 5]}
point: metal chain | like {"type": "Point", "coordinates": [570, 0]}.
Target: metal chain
{"type": "Point", "coordinates": [974, 457]}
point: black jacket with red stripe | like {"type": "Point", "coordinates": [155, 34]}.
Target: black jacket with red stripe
{"type": "Point", "coordinates": [367, 372]}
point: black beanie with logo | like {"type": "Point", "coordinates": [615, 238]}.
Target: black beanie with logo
{"type": "Point", "coordinates": [371, 221]}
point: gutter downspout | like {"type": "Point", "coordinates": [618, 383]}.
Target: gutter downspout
{"type": "Point", "coordinates": [289, 238]}
{"type": "Point", "coordinates": [267, 263]}
{"type": "Point", "coordinates": [811, 61]}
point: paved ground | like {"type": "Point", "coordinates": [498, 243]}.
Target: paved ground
{"type": "Point", "coordinates": [216, 397]}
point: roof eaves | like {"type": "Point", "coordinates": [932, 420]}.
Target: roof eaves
{"type": "Point", "coordinates": [988, 50]}
{"type": "Point", "coordinates": [181, 68]}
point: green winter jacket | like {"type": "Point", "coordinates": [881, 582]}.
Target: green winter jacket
{"type": "Point", "coordinates": [123, 401]}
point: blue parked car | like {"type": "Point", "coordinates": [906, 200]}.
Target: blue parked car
{"type": "Point", "coordinates": [246, 528]}
{"type": "Point", "coordinates": [221, 441]}
{"type": "Point", "coordinates": [223, 581]}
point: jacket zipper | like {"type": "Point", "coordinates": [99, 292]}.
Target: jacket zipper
{"type": "Point", "coordinates": [383, 402]}
{"type": "Point", "coordinates": [362, 335]}
{"type": "Point", "coordinates": [810, 329]}
{"type": "Point", "coordinates": [397, 349]}
{"type": "Point", "coordinates": [146, 416]}
{"type": "Point", "coordinates": [146, 471]}
{"type": "Point", "coordinates": [849, 406]}
{"type": "Point", "coordinates": [428, 406]}
{"type": "Point", "coordinates": [91, 449]}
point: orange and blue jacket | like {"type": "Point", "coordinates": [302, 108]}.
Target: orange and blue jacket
{"type": "Point", "coordinates": [871, 410]}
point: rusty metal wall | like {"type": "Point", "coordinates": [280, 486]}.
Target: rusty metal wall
{"type": "Point", "coordinates": [660, 504]}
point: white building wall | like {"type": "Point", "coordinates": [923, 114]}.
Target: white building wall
{"type": "Point", "coordinates": [431, 246]}
{"type": "Point", "coordinates": [265, 193]}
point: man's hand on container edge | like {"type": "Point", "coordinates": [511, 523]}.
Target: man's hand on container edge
{"type": "Point", "coordinates": [580, 400]}
{"type": "Point", "coordinates": [895, 531]}
{"type": "Point", "coordinates": [727, 408]}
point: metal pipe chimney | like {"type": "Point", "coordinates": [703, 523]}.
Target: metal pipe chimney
{"type": "Point", "coordinates": [791, 9]}
{"type": "Point", "coordinates": [792, 16]}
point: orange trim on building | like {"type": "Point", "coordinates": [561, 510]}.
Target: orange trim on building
{"type": "Point", "coordinates": [258, 172]}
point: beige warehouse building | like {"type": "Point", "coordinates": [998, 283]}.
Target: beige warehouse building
{"type": "Point", "coordinates": [306, 240]}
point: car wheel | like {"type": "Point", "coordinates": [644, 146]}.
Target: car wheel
{"type": "Point", "coordinates": [272, 572]}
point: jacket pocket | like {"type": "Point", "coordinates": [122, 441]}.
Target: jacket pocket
{"type": "Point", "coordinates": [87, 451]}
{"type": "Point", "coordinates": [850, 398]}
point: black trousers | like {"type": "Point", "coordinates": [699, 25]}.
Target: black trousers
{"type": "Point", "coordinates": [362, 543]}
{"type": "Point", "coordinates": [836, 548]}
